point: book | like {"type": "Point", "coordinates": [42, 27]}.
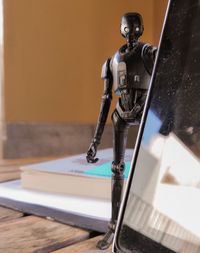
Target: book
{"type": "Point", "coordinates": [88, 213]}
{"type": "Point", "coordinates": [73, 175]}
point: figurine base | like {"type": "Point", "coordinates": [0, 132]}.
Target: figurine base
{"type": "Point", "coordinates": [106, 241]}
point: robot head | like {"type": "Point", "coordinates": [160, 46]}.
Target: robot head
{"type": "Point", "coordinates": [132, 26]}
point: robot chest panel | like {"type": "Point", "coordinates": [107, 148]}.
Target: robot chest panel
{"type": "Point", "coordinates": [129, 73]}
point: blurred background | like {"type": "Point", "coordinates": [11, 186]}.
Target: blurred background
{"type": "Point", "coordinates": [51, 53]}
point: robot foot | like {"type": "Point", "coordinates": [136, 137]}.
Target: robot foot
{"type": "Point", "coordinates": [107, 240]}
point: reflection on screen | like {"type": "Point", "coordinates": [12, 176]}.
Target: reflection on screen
{"type": "Point", "coordinates": [164, 198]}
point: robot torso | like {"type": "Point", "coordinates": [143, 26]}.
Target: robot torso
{"type": "Point", "coordinates": [129, 74]}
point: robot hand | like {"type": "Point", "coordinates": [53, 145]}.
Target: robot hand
{"type": "Point", "coordinates": [137, 108]}
{"type": "Point", "coordinates": [92, 153]}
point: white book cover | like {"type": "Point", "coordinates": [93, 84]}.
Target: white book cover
{"type": "Point", "coordinates": [78, 164]}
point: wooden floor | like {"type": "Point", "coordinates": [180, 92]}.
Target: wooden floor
{"type": "Point", "coordinates": [28, 233]}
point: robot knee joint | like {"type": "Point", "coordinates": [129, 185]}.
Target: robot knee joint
{"type": "Point", "coordinates": [118, 168]}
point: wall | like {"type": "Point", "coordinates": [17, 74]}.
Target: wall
{"type": "Point", "coordinates": [54, 50]}
{"type": "Point", "coordinates": [160, 7]}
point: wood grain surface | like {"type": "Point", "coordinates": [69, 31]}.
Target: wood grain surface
{"type": "Point", "coordinates": [24, 234]}
{"type": "Point", "coordinates": [23, 161]}
{"type": "Point", "coordinates": [83, 246]}
{"type": "Point", "coordinates": [9, 175]}
{"type": "Point", "coordinates": [7, 214]}
{"type": "Point", "coordinates": [10, 169]}
{"type": "Point", "coordinates": [38, 235]}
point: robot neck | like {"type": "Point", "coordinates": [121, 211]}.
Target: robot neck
{"type": "Point", "coordinates": [131, 40]}
{"type": "Point", "coordinates": [131, 43]}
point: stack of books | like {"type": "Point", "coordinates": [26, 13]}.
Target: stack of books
{"type": "Point", "coordinates": [73, 175]}
{"type": "Point", "coordinates": [69, 190]}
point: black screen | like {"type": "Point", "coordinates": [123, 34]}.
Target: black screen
{"type": "Point", "coordinates": [161, 212]}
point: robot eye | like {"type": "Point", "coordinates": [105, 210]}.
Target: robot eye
{"type": "Point", "coordinates": [137, 29]}
{"type": "Point", "coordinates": [126, 29]}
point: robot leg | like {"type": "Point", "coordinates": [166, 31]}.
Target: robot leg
{"type": "Point", "coordinates": [120, 132]}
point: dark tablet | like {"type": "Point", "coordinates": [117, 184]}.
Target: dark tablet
{"type": "Point", "coordinates": [161, 209]}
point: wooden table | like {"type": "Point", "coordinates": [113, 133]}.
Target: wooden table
{"type": "Point", "coordinates": [25, 233]}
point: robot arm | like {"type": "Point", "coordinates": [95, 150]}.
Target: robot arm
{"type": "Point", "coordinates": [140, 98]}
{"type": "Point", "coordinates": [104, 110]}
{"type": "Point", "coordinates": [148, 56]}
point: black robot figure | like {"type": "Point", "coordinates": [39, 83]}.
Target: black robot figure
{"type": "Point", "coordinates": [128, 74]}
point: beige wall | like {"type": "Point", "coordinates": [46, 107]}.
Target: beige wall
{"type": "Point", "coordinates": [54, 50]}
{"type": "Point", "coordinates": [160, 7]}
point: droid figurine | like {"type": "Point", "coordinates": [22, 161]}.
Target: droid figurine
{"type": "Point", "coordinates": [128, 74]}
